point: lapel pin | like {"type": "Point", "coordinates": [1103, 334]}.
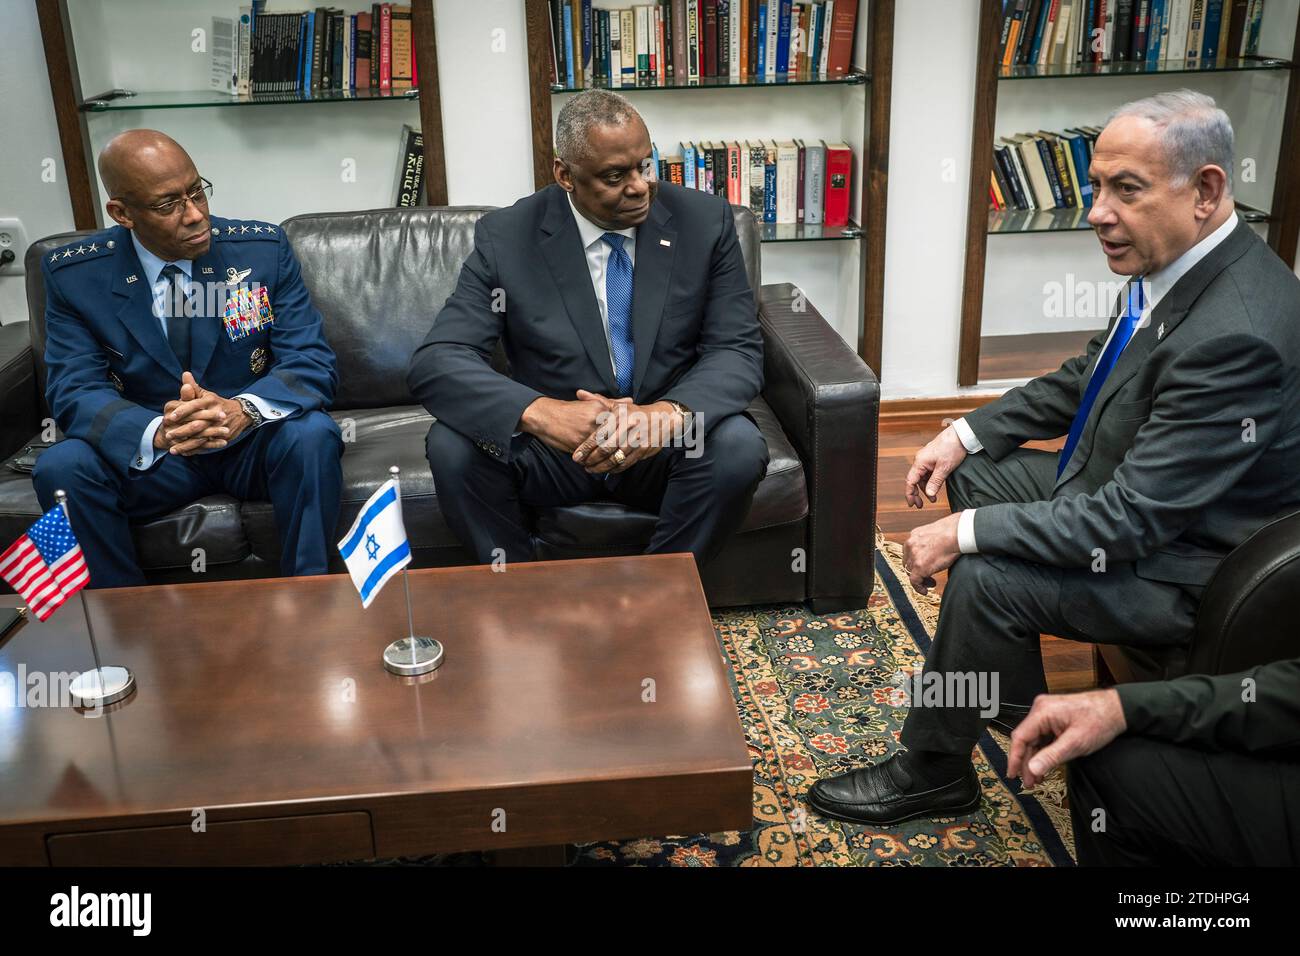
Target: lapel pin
{"type": "Point", "coordinates": [1160, 332]}
{"type": "Point", "coordinates": [206, 270]}
{"type": "Point", "coordinates": [130, 279]}
{"type": "Point", "coordinates": [664, 242]}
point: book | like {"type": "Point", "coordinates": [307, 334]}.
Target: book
{"type": "Point", "coordinates": [770, 40]}
{"type": "Point", "coordinates": [363, 39]}
{"type": "Point", "coordinates": [769, 181]}
{"type": "Point", "coordinates": [843, 27]}
{"type": "Point", "coordinates": [758, 180]}
{"type": "Point", "coordinates": [224, 73]}
{"type": "Point", "coordinates": [402, 77]}
{"type": "Point", "coordinates": [1180, 14]}
{"type": "Point", "coordinates": [709, 35]}
{"type": "Point", "coordinates": [783, 39]}
{"type": "Point", "coordinates": [410, 168]}
{"type": "Point", "coordinates": [814, 182]}
{"type": "Point", "coordinates": [1210, 34]}
{"type": "Point", "coordinates": [733, 174]}
{"type": "Point", "coordinates": [1195, 32]}
{"type": "Point", "coordinates": [839, 171]}
{"type": "Point", "coordinates": [385, 47]}
{"type": "Point", "coordinates": [787, 181]}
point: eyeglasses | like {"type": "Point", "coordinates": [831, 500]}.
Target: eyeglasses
{"type": "Point", "coordinates": [199, 195]}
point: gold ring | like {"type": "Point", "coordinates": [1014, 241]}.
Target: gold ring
{"type": "Point", "coordinates": [619, 457]}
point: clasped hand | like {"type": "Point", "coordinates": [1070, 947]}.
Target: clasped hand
{"type": "Point", "coordinates": [199, 420]}
{"type": "Point", "coordinates": [593, 428]}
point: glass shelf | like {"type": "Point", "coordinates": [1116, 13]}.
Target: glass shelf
{"type": "Point", "coordinates": [802, 232]}
{"type": "Point", "coordinates": [1016, 221]}
{"type": "Point", "coordinates": [852, 78]}
{"type": "Point", "coordinates": [191, 99]}
{"type": "Point", "coordinates": [1130, 68]}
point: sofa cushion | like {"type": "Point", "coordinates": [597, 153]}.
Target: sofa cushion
{"type": "Point", "coordinates": [212, 523]}
{"type": "Point", "coordinates": [375, 439]}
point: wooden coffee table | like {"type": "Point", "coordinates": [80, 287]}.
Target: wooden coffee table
{"type": "Point", "coordinates": [579, 701]}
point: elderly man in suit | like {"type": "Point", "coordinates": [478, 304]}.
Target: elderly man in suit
{"type": "Point", "coordinates": [634, 349]}
{"type": "Point", "coordinates": [185, 359]}
{"type": "Point", "coordinates": [1182, 425]}
{"type": "Point", "coordinates": [1205, 770]}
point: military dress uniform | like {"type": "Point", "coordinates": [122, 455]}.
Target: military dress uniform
{"type": "Point", "coordinates": [113, 365]}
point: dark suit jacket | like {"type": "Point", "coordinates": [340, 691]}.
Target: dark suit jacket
{"type": "Point", "coordinates": [1209, 712]}
{"type": "Point", "coordinates": [111, 370]}
{"type": "Point", "coordinates": [694, 320]}
{"type": "Point", "coordinates": [1193, 442]}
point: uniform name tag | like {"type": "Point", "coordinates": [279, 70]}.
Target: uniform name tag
{"type": "Point", "coordinates": [247, 311]}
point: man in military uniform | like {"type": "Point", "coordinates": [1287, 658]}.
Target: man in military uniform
{"type": "Point", "coordinates": [185, 359]}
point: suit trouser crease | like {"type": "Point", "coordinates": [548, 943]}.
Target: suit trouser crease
{"type": "Point", "coordinates": [293, 463]}
{"type": "Point", "coordinates": [994, 608]}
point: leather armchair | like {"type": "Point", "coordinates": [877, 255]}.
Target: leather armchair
{"type": "Point", "coordinates": [1244, 618]}
{"type": "Point", "coordinates": [379, 278]}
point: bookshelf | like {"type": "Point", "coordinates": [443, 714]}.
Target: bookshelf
{"type": "Point", "coordinates": [1270, 82]}
{"type": "Point", "coordinates": [76, 107]}
{"type": "Point", "coordinates": [695, 102]}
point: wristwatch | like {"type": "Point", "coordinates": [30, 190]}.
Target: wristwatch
{"type": "Point", "coordinates": [686, 413]}
{"type": "Point", "coordinates": [251, 411]}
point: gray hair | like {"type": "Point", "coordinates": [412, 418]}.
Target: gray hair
{"type": "Point", "coordinates": [581, 114]}
{"type": "Point", "coordinates": [1193, 131]}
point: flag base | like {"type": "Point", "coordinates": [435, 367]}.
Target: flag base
{"type": "Point", "coordinates": [102, 686]}
{"type": "Point", "coordinates": [401, 658]}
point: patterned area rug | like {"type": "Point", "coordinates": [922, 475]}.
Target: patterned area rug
{"type": "Point", "coordinates": [820, 695]}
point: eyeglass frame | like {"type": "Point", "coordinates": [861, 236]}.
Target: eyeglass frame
{"type": "Point", "coordinates": [204, 192]}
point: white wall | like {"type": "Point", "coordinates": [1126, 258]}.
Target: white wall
{"type": "Point", "coordinates": [272, 162]}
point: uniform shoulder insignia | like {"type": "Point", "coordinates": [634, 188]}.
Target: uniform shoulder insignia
{"type": "Point", "coordinates": [83, 249]}
{"type": "Point", "coordinates": [230, 230]}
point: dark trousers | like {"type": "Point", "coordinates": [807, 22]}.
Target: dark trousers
{"type": "Point", "coordinates": [994, 609]}
{"type": "Point", "coordinates": [293, 463]}
{"type": "Point", "coordinates": [700, 501]}
{"type": "Point", "coordinates": [1144, 802]}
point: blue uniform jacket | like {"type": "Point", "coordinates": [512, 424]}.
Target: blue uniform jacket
{"type": "Point", "coordinates": [111, 369]}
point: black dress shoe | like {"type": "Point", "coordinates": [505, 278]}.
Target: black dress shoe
{"type": "Point", "coordinates": [878, 796]}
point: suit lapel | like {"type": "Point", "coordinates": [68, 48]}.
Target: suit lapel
{"type": "Point", "coordinates": [135, 310]}
{"type": "Point", "coordinates": [1165, 317]}
{"type": "Point", "coordinates": [656, 245]}
{"type": "Point", "coordinates": [562, 249]}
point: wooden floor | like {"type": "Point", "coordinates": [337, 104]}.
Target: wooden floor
{"type": "Point", "coordinates": [1030, 355]}
{"type": "Point", "coordinates": [1068, 664]}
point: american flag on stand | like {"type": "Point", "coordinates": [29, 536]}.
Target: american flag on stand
{"type": "Point", "coordinates": [46, 565]}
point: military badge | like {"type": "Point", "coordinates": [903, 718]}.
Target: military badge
{"type": "Point", "coordinates": [258, 359]}
{"type": "Point", "coordinates": [247, 311]}
{"type": "Point", "coordinates": [234, 275]}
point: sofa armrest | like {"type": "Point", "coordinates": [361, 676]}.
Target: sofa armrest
{"type": "Point", "coordinates": [21, 419]}
{"type": "Point", "coordinates": [1244, 617]}
{"type": "Point", "coordinates": [828, 402]}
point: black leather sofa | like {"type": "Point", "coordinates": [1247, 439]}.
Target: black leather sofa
{"type": "Point", "coordinates": [379, 278]}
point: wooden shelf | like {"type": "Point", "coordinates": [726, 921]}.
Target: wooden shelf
{"type": "Point", "coordinates": [72, 113]}
{"type": "Point", "coordinates": [1283, 219]}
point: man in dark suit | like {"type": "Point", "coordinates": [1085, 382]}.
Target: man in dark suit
{"type": "Point", "coordinates": [185, 359]}
{"type": "Point", "coordinates": [1183, 437]}
{"type": "Point", "coordinates": [1205, 770]}
{"type": "Point", "coordinates": [634, 349]}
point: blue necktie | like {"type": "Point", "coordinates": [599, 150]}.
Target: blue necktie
{"type": "Point", "coordinates": [618, 306]}
{"type": "Point", "coordinates": [1127, 324]}
{"type": "Point", "coordinates": [178, 321]}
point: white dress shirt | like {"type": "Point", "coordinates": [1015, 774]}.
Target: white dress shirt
{"type": "Point", "coordinates": [597, 250]}
{"type": "Point", "coordinates": [1155, 286]}
{"type": "Point", "coordinates": [146, 455]}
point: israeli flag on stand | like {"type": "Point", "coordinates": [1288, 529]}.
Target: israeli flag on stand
{"type": "Point", "coordinates": [376, 547]}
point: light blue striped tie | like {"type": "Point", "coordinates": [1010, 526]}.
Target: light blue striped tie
{"type": "Point", "coordinates": [618, 305]}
